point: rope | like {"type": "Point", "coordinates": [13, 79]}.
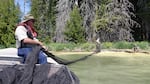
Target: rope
{"type": "Point", "coordinates": [64, 61]}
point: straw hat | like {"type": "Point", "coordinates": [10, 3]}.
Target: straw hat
{"type": "Point", "coordinates": [27, 17]}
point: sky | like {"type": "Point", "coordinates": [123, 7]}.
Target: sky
{"type": "Point", "coordinates": [24, 8]}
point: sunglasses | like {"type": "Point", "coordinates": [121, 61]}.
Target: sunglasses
{"type": "Point", "coordinates": [32, 20]}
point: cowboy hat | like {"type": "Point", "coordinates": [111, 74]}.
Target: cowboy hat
{"type": "Point", "coordinates": [27, 17]}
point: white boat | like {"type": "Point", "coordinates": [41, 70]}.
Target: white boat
{"type": "Point", "coordinates": [8, 56]}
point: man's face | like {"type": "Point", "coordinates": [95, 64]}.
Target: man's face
{"type": "Point", "coordinates": [31, 22]}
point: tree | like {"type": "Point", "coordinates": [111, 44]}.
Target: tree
{"type": "Point", "coordinates": [87, 11]}
{"type": "Point", "coordinates": [143, 13]}
{"type": "Point", "coordinates": [115, 21]}
{"type": "Point", "coordinates": [44, 12]}
{"type": "Point", "coordinates": [74, 30]}
{"type": "Point", "coordinates": [9, 15]}
{"type": "Point", "coordinates": [63, 9]}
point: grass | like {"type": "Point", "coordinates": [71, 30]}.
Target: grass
{"type": "Point", "coordinates": [111, 69]}
{"type": "Point", "coordinates": [91, 46]}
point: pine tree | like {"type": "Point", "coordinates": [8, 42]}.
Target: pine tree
{"type": "Point", "coordinates": [44, 12]}
{"type": "Point", "coordinates": [114, 21]}
{"type": "Point", "coordinates": [87, 10]}
{"type": "Point", "coordinates": [64, 8]}
{"type": "Point", "coordinates": [74, 29]}
{"type": "Point", "coordinates": [8, 19]}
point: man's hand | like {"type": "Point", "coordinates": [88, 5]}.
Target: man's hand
{"type": "Point", "coordinates": [28, 40]}
{"type": "Point", "coordinates": [46, 49]}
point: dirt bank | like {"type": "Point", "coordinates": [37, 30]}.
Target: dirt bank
{"type": "Point", "coordinates": [121, 53]}
{"type": "Point", "coordinates": [106, 52]}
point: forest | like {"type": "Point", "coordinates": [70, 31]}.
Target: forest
{"type": "Point", "coordinates": [80, 21]}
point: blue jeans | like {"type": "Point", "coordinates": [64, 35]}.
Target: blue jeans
{"type": "Point", "coordinates": [23, 52]}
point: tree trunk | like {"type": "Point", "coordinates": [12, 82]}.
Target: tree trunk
{"type": "Point", "coordinates": [87, 8]}
{"type": "Point", "coordinates": [64, 8]}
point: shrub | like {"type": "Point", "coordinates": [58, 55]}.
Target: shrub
{"type": "Point", "coordinates": [123, 45]}
{"type": "Point", "coordinates": [87, 46]}
{"type": "Point", "coordinates": [107, 45]}
{"type": "Point", "coordinates": [142, 45]}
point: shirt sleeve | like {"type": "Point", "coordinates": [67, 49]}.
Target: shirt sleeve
{"type": "Point", "coordinates": [21, 33]}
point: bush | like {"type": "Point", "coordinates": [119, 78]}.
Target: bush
{"type": "Point", "coordinates": [143, 45]}
{"type": "Point", "coordinates": [91, 46]}
{"type": "Point", "coordinates": [107, 45]}
{"type": "Point", "coordinates": [123, 45]}
{"type": "Point", "coordinates": [61, 46]}
{"type": "Point", "coordinates": [87, 46]}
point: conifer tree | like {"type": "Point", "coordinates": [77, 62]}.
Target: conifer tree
{"type": "Point", "coordinates": [44, 12]}
{"type": "Point", "coordinates": [9, 15]}
{"type": "Point", "coordinates": [74, 29]}
{"type": "Point", "coordinates": [114, 20]}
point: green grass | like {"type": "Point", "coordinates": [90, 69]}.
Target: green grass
{"type": "Point", "coordinates": [91, 46]}
{"type": "Point", "coordinates": [112, 69]}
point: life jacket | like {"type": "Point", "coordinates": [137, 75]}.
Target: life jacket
{"type": "Point", "coordinates": [31, 33]}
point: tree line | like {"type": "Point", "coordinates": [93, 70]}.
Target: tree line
{"type": "Point", "coordinates": [9, 17]}
{"type": "Point", "coordinates": [109, 20]}
{"type": "Point", "coordinates": [80, 20]}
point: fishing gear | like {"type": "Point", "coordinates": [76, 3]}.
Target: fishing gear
{"type": "Point", "coordinates": [64, 61]}
{"type": "Point", "coordinates": [67, 62]}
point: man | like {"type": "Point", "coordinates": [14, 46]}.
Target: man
{"type": "Point", "coordinates": [25, 35]}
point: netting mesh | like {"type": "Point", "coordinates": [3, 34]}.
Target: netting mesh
{"type": "Point", "coordinates": [32, 73]}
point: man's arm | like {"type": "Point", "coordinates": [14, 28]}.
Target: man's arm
{"type": "Point", "coordinates": [31, 41]}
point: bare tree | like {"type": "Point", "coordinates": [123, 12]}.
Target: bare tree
{"type": "Point", "coordinates": [87, 8]}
